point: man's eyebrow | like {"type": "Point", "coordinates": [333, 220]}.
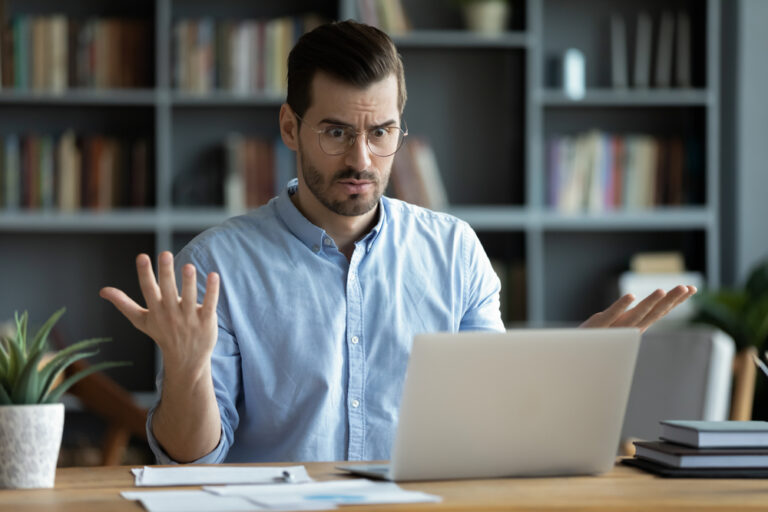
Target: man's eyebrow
{"type": "Point", "coordinates": [337, 122]}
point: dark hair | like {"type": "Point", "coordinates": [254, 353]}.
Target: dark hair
{"type": "Point", "coordinates": [355, 53]}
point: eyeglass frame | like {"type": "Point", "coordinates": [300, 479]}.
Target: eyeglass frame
{"type": "Point", "coordinates": [320, 132]}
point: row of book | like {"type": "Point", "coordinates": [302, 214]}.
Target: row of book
{"type": "Point", "coordinates": [598, 171]}
{"type": "Point", "coordinates": [256, 171]}
{"type": "Point", "coordinates": [388, 15]}
{"type": "Point", "coordinates": [71, 172]}
{"type": "Point", "coordinates": [667, 63]}
{"type": "Point", "coordinates": [52, 53]}
{"type": "Point", "coordinates": [416, 176]}
{"type": "Point", "coordinates": [240, 56]}
{"type": "Point", "coordinates": [706, 448]}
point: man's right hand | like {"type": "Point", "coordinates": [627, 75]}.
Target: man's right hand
{"type": "Point", "coordinates": [184, 330]}
{"type": "Point", "coordinates": [186, 422]}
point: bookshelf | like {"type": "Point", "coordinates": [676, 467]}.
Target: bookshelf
{"type": "Point", "coordinates": [486, 104]}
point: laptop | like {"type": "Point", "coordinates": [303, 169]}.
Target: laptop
{"type": "Point", "coordinates": [528, 402]}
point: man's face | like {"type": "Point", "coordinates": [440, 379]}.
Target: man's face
{"type": "Point", "coordinates": [352, 183]}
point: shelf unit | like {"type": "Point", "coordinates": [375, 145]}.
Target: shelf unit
{"type": "Point", "coordinates": [484, 102]}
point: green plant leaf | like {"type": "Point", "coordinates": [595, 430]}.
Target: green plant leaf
{"type": "Point", "coordinates": [4, 398]}
{"type": "Point", "coordinates": [58, 362]}
{"type": "Point", "coordinates": [54, 395]}
{"type": "Point", "coordinates": [21, 331]}
{"type": "Point", "coordinates": [16, 360]}
{"type": "Point", "coordinates": [756, 321]}
{"type": "Point", "coordinates": [49, 374]}
{"type": "Point", "coordinates": [3, 358]}
{"type": "Point", "coordinates": [38, 344]}
{"type": "Point", "coordinates": [25, 389]}
{"type": "Point", "coordinates": [757, 282]}
{"type": "Point", "coordinates": [725, 310]}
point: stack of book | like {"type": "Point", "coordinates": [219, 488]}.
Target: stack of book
{"type": "Point", "coordinates": [73, 171]}
{"type": "Point", "coordinates": [240, 56]}
{"type": "Point", "coordinates": [256, 171]}
{"type": "Point", "coordinates": [388, 15]}
{"type": "Point", "coordinates": [53, 53]}
{"type": "Point", "coordinates": [598, 171]}
{"type": "Point", "coordinates": [416, 176]}
{"type": "Point", "coordinates": [710, 449]}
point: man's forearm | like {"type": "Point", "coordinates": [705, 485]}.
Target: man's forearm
{"type": "Point", "coordinates": [187, 423]}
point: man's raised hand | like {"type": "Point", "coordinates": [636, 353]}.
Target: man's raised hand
{"type": "Point", "coordinates": [645, 313]}
{"type": "Point", "coordinates": [184, 330]}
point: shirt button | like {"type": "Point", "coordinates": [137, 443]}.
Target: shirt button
{"type": "Point", "coordinates": [315, 248]}
{"type": "Point", "coordinates": [355, 404]}
{"type": "Point", "coordinates": [327, 242]}
{"type": "Point", "coordinates": [355, 340]}
{"type": "Point", "coordinates": [351, 277]}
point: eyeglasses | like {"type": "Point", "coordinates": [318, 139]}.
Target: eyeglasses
{"type": "Point", "coordinates": [381, 140]}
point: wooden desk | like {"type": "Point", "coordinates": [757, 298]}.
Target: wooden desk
{"type": "Point", "coordinates": [623, 489]}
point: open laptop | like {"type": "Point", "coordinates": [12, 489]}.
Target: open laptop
{"type": "Point", "coordinates": [529, 402]}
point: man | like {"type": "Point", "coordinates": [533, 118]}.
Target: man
{"type": "Point", "coordinates": [303, 357]}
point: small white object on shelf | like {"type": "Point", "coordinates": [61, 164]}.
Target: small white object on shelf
{"type": "Point", "coordinates": [574, 74]}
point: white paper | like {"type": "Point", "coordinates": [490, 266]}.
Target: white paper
{"type": "Point", "coordinates": [339, 492]}
{"type": "Point", "coordinates": [201, 475]}
{"type": "Point", "coordinates": [201, 501]}
{"type": "Point", "coordinates": [190, 501]}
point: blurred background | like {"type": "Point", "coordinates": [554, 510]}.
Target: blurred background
{"type": "Point", "coordinates": [592, 145]}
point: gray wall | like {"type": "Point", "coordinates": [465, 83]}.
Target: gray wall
{"type": "Point", "coordinates": [745, 131]}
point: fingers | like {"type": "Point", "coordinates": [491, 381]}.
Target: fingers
{"type": "Point", "coordinates": [132, 311]}
{"type": "Point", "coordinates": [189, 290]}
{"type": "Point", "coordinates": [211, 298]}
{"type": "Point", "coordinates": [167, 279]}
{"type": "Point", "coordinates": [147, 282]}
{"type": "Point", "coordinates": [632, 317]}
{"type": "Point", "coordinates": [674, 297]}
{"type": "Point", "coordinates": [608, 317]}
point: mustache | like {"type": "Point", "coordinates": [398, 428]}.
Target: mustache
{"type": "Point", "coordinates": [347, 174]}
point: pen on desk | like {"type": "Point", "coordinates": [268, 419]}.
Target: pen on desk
{"type": "Point", "coordinates": [286, 477]}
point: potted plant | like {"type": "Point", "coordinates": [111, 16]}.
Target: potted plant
{"type": "Point", "coordinates": [740, 312]}
{"type": "Point", "coordinates": [486, 16]}
{"type": "Point", "coordinates": [31, 417]}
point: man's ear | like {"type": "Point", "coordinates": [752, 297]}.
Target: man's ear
{"type": "Point", "coordinates": [289, 128]}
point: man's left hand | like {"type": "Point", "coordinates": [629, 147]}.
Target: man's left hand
{"type": "Point", "coordinates": [647, 311]}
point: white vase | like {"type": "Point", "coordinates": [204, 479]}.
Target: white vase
{"type": "Point", "coordinates": [487, 16]}
{"type": "Point", "coordinates": [30, 438]}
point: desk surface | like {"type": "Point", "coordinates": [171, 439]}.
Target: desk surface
{"type": "Point", "coordinates": [624, 488]}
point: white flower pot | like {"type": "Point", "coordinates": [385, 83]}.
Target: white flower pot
{"type": "Point", "coordinates": [30, 438]}
{"type": "Point", "coordinates": [487, 16]}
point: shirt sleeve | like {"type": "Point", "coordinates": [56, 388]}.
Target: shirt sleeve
{"type": "Point", "coordinates": [482, 310]}
{"type": "Point", "coordinates": [225, 371]}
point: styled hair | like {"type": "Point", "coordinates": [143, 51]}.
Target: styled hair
{"type": "Point", "coordinates": [352, 52]}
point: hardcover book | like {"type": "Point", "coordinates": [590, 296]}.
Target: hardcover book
{"type": "Point", "coordinates": [716, 434]}
{"type": "Point", "coordinates": [680, 456]}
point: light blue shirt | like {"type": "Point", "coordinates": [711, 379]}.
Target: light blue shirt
{"type": "Point", "coordinates": [312, 348]}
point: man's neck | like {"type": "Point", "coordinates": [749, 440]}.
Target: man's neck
{"type": "Point", "coordinates": [343, 229]}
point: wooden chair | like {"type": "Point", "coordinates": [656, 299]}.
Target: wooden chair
{"type": "Point", "coordinates": [101, 395]}
{"type": "Point", "coordinates": [105, 398]}
{"type": "Point", "coordinates": [743, 391]}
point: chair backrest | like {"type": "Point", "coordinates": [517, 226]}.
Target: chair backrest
{"type": "Point", "coordinates": [680, 374]}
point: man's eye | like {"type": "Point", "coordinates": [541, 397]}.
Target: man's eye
{"type": "Point", "coordinates": [379, 133]}
{"type": "Point", "coordinates": [335, 132]}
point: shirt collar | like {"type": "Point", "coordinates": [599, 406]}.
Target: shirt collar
{"type": "Point", "coordinates": [313, 236]}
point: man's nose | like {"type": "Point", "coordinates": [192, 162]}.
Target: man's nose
{"type": "Point", "coordinates": [359, 155]}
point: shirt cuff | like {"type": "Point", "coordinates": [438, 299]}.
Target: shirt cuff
{"type": "Point", "coordinates": [216, 456]}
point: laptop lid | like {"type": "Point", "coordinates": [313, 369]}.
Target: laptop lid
{"type": "Point", "coordinates": [527, 402]}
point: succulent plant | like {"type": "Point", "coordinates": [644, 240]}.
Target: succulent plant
{"type": "Point", "coordinates": [24, 380]}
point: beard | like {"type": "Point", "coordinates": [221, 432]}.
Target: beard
{"type": "Point", "coordinates": [350, 206]}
